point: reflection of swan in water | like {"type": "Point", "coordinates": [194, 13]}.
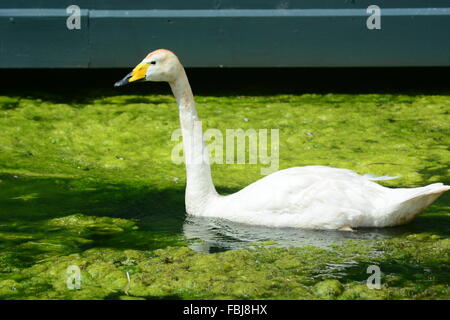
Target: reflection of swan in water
{"type": "Point", "coordinates": [210, 235]}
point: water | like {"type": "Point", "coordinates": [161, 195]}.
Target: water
{"type": "Point", "coordinates": [31, 209]}
{"type": "Point", "coordinates": [209, 235]}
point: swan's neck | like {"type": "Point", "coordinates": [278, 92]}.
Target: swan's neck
{"type": "Point", "coordinates": [199, 187]}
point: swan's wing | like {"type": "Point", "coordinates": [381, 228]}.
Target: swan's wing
{"type": "Point", "coordinates": [373, 177]}
{"type": "Point", "coordinates": [312, 195]}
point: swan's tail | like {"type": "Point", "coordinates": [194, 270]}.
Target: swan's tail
{"type": "Point", "coordinates": [409, 203]}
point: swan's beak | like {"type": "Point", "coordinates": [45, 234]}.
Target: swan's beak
{"type": "Point", "coordinates": [124, 81]}
{"type": "Point", "coordinates": [138, 74]}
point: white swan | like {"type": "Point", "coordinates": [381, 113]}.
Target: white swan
{"type": "Point", "coordinates": [314, 197]}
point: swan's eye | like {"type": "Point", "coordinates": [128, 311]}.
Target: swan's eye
{"type": "Point", "coordinates": [153, 62]}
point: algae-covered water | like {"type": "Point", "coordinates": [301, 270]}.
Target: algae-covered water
{"type": "Point", "coordinates": [89, 182]}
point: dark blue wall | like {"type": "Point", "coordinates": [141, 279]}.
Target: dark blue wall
{"type": "Point", "coordinates": [229, 33]}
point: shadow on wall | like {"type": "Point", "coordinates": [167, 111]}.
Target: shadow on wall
{"type": "Point", "coordinates": [80, 85]}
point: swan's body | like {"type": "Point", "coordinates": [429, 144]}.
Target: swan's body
{"type": "Point", "coordinates": [321, 198]}
{"type": "Point", "coordinates": [314, 197]}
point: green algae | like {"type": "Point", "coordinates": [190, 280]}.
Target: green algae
{"type": "Point", "coordinates": [328, 288]}
{"type": "Point", "coordinates": [91, 184]}
{"type": "Point", "coordinates": [274, 273]}
{"type": "Point", "coordinates": [265, 243]}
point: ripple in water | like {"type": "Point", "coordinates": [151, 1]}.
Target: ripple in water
{"type": "Point", "coordinates": [208, 235]}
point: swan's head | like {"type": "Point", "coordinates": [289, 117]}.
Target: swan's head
{"type": "Point", "coordinates": [159, 65]}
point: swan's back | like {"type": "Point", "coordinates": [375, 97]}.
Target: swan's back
{"type": "Point", "coordinates": [319, 197]}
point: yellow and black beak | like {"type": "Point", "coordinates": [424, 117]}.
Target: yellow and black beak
{"type": "Point", "coordinates": [138, 74]}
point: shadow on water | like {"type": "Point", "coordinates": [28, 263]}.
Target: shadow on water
{"type": "Point", "coordinates": [31, 229]}
{"type": "Point", "coordinates": [31, 210]}
{"type": "Point", "coordinates": [30, 199]}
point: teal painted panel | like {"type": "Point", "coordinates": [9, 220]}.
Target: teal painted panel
{"type": "Point", "coordinates": [225, 33]}
{"type": "Point", "coordinates": [34, 38]}
{"type": "Point", "coordinates": [263, 38]}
